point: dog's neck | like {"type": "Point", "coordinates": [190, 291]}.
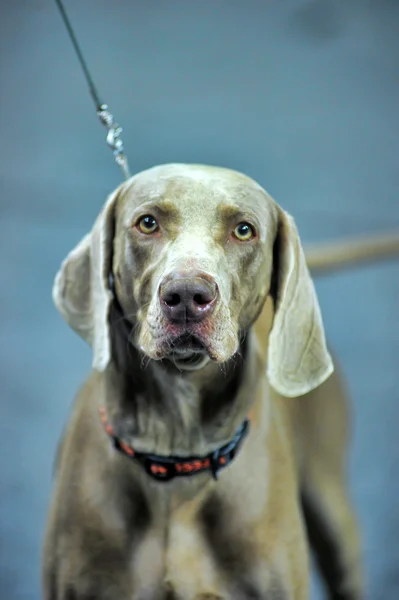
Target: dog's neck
{"type": "Point", "coordinates": [155, 408]}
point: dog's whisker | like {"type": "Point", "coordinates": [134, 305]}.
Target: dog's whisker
{"type": "Point", "coordinates": [145, 361]}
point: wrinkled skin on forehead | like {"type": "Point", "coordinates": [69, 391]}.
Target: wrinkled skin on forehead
{"type": "Point", "coordinates": [197, 209]}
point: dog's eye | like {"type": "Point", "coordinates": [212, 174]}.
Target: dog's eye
{"type": "Point", "coordinates": [147, 224]}
{"type": "Point", "coordinates": [244, 232]}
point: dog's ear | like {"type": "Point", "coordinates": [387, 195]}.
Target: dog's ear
{"type": "Point", "coordinates": [81, 289]}
{"type": "Point", "coordinates": [298, 359]}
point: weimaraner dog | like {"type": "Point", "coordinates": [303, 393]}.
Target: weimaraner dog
{"type": "Point", "coordinates": [205, 454]}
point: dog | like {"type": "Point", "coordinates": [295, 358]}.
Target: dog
{"type": "Point", "coordinates": [206, 453]}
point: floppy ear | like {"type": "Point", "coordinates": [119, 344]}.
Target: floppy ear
{"type": "Point", "coordinates": [298, 359]}
{"type": "Point", "coordinates": [81, 289]}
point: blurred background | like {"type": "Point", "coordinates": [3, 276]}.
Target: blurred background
{"type": "Point", "coordinates": [302, 95]}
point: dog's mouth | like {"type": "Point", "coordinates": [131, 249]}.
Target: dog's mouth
{"type": "Point", "coordinates": [187, 352]}
{"type": "Point", "coordinates": [189, 346]}
{"type": "Point", "coordinates": [187, 342]}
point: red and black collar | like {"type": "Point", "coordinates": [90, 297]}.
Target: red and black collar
{"type": "Point", "coordinates": [165, 468]}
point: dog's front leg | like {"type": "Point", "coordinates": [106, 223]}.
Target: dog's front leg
{"type": "Point", "coordinates": [76, 576]}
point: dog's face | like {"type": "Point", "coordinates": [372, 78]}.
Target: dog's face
{"type": "Point", "coordinates": [192, 261]}
{"type": "Point", "coordinates": [192, 251]}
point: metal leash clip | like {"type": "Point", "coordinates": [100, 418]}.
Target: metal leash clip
{"type": "Point", "coordinates": [113, 137]}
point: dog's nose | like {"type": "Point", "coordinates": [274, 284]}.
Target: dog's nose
{"type": "Point", "coordinates": [187, 298]}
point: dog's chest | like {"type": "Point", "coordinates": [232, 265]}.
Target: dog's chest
{"type": "Point", "coordinates": [198, 561]}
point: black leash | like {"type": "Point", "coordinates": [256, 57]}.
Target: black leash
{"type": "Point", "coordinates": [113, 129]}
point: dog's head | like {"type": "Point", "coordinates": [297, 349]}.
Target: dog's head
{"type": "Point", "coordinates": [193, 253]}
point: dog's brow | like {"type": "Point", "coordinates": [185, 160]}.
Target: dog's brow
{"type": "Point", "coordinates": [166, 206]}
{"type": "Point", "coordinates": [228, 211]}
{"type": "Point", "coordinates": [162, 207]}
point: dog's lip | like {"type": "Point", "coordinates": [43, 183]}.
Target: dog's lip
{"type": "Point", "coordinates": [185, 348]}
{"type": "Point", "coordinates": [190, 361]}
{"type": "Point", "coordinates": [187, 351]}
{"type": "Point", "coordinates": [187, 343]}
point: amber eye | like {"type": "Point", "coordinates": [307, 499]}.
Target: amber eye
{"type": "Point", "coordinates": [244, 232]}
{"type": "Point", "coordinates": [147, 225]}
